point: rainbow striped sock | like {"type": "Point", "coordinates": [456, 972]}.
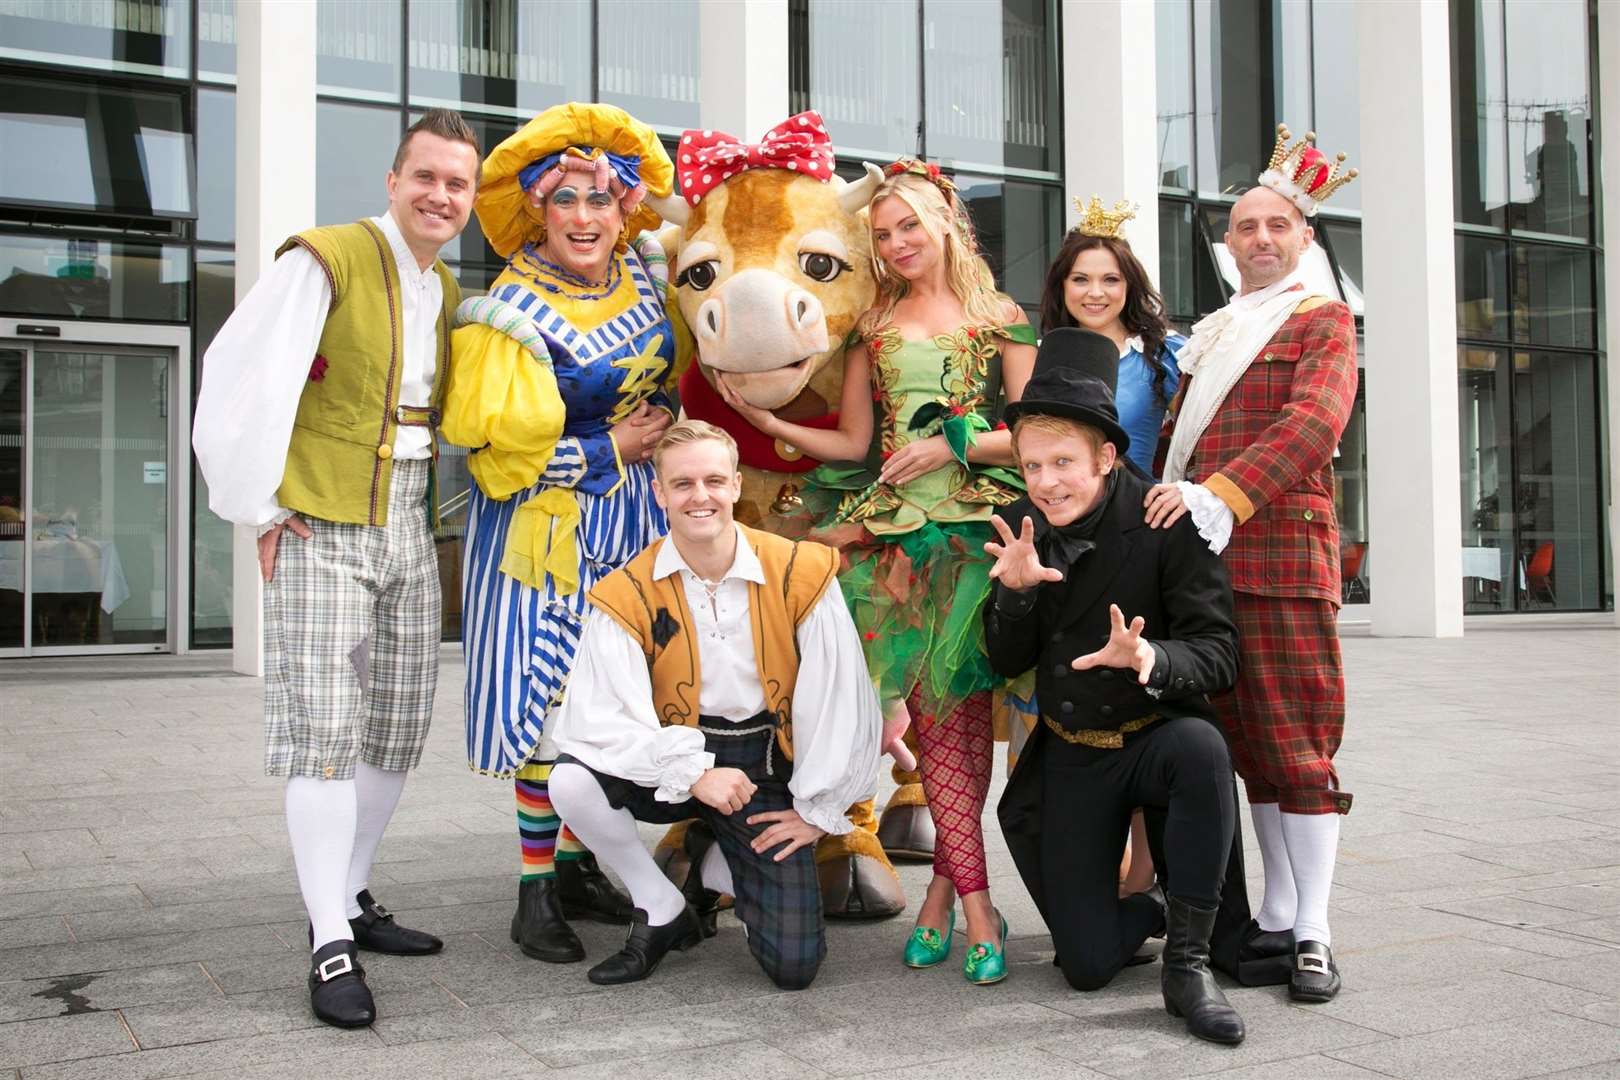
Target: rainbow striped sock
{"type": "Point", "coordinates": [569, 846]}
{"type": "Point", "coordinates": [538, 823]}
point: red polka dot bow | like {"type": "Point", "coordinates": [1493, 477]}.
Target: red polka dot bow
{"type": "Point", "coordinates": [799, 144]}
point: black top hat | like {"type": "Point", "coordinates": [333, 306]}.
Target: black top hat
{"type": "Point", "coordinates": [1075, 374]}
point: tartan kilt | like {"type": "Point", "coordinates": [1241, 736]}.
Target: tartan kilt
{"type": "Point", "coordinates": [1285, 717]}
{"type": "Point", "coordinates": [351, 640]}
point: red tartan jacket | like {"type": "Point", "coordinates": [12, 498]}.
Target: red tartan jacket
{"type": "Point", "coordinates": [1268, 454]}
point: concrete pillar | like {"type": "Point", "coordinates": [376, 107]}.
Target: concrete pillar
{"type": "Point", "coordinates": [1414, 513]}
{"type": "Point", "coordinates": [1110, 115]}
{"type": "Point", "coordinates": [1607, 80]}
{"type": "Point", "coordinates": [275, 197]}
{"type": "Point", "coordinates": [743, 66]}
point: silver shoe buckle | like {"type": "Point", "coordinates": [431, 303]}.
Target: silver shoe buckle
{"type": "Point", "coordinates": [328, 969]}
{"type": "Point", "coordinates": [1310, 962]}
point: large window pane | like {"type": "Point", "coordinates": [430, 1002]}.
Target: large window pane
{"type": "Point", "coordinates": [1482, 288]}
{"type": "Point", "coordinates": [863, 75]}
{"type": "Point", "coordinates": [216, 39]}
{"type": "Point", "coordinates": [1176, 248]}
{"type": "Point", "coordinates": [991, 84]}
{"type": "Point", "coordinates": [210, 535]}
{"type": "Point", "coordinates": [357, 48]}
{"type": "Point", "coordinates": [1231, 73]}
{"type": "Point", "coordinates": [1558, 518]}
{"type": "Point", "coordinates": [354, 149]}
{"type": "Point", "coordinates": [1172, 37]}
{"type": "Point", "coordinates": [1343, 235]}
{"type": "Point", "coordinates": [647, 60]}
{"type": "Point", "coordinates": [1336, 73]}
{"type": "Point", "coordinates": [1478, 118]}
{"type": "Point", "coordinates": [93, 279]}
{"type": "Point", "coordinates": [1549, 108]}
{"type": "Point", "coordinates": [99, 498]}
{"type": "Point", "coordinates": [1350, 503]}
{"type": "Point", "coordinates": [1553, 296]}
{"type": "Point", "coordinates": [515, 56]}
{"type": "Point", "coordinates": [92, 147]}
{"type": "Point", "coordinates": [1019, 226]}
{"type": "Point", "coordinates": [149, 37]}
{"type": "Point", "coordinates": [1484, 429]}
{"type": "Point", "coordinates": [216, 166]}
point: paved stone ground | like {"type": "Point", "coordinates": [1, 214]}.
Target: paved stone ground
{"type": "Point", "coordinates": [149, 924]}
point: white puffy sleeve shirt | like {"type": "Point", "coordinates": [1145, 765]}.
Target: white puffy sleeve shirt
{"type": "Point", "coordinates": [608, 720]}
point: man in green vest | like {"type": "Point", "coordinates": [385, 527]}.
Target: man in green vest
{"type": "Point", "coordinates": [317, 425]}
{"type": "Point", "coordinates": [719, 676]}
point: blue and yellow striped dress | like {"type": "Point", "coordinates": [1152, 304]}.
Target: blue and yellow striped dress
{"type": "Point", "coordinates": [541, 370]}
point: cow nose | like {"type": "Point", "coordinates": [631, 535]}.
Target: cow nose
{"type": "Point", "coordinates": [711, 320]}
{"type": "Point", "coordinates": [804, 315]}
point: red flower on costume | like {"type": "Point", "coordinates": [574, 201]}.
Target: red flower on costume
{"type": "Point", "coordinates": [317, 370]}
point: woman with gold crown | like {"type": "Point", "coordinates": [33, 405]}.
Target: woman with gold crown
{"type": "Point", "coordinates": [1097, 283]}
{"type": "Point", "coordinates": [558, 386]}
{"type": "Point", "coordinates": [938, 352]}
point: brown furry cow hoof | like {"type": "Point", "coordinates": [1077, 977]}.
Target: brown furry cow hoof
{"type": "Point", "coordinates": [859, 887]}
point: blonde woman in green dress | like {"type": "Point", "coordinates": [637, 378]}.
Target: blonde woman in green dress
{"type": "Point", "coordinates": [937, 356]}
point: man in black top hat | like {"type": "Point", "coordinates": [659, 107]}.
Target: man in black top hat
{"type": "Point", "coordinates": [1128, 629]}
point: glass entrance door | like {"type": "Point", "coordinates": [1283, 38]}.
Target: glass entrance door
{"type": "Point", "coordinates": [85, 454]}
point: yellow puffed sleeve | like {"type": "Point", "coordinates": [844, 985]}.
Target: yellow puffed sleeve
{"type": "Point", "coordinates": [502, 402]}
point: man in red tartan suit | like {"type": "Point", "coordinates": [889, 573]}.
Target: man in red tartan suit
{"type": "Point", "coordinates": [1268, 383]}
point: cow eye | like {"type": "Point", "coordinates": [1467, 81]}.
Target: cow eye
{"type": "Point", "coordinates": [699, 275]}
{"type": "Point", "coordinates": [821, 266]}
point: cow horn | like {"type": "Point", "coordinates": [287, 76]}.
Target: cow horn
{"type": "Point", "coordinates": [672, 208]}
{"type": "Point", "coordinates": [857, 194]}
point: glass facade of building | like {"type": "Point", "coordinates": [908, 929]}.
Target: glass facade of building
{"type": "Point", "coordinates": [1527, 257]}
{"type": "Point", "coordinates": [133, 103]}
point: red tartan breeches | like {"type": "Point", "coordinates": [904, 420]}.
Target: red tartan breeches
{"type": "Point", "coordinates": [1285, 716]}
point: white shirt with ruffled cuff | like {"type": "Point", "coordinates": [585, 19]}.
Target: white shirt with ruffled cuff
{"type": "Point", "coordinates": [1212, 517]}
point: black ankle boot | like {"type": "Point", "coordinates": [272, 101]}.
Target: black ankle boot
{"type": "Point", "coordinates": [538, 925]}
{"type": "Point", "coordinates": [1189, 986]}
{"type": "Point", "coordinates": [645, 947]}
{"type": "Point", "coordinates": [338, 994]}
{"type": "Point", "coordinates": [1266, 957]}
{"type": "Point", "coordinates": [587, 893]}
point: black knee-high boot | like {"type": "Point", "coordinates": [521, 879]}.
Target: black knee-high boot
{"type": "Point", "coordinates": [1189, 986]}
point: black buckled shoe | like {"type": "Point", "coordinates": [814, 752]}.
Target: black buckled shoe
{"type": "Point", "coordinates": [1266, 957]}
{"type": "Point", "coordinates": [646, 947]}
{"type": "Point", "coordinates": [587, 893]}
{"type": "Point", "coordinates": [1316, 976]}
{"type": "Point", "coordinates": [538, 925]}
{"type": "Point", "coordinates": [338, 994]}
{"type": "Point", "coordinates": [375, 930]}
{"type": "Point", "coordinates": [1188, 985]}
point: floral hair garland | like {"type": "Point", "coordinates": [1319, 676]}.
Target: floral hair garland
{"type": "Point", "coordinates": [930, 172]}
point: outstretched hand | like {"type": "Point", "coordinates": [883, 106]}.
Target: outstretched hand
{"type": "Point", "coordinates": [1018, 565]}
{"type": "Point", "coordinates": [1126, 648]}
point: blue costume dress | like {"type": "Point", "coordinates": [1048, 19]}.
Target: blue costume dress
{"type": "Point", "coordinates": [1141, 410]}
{"type": "Point", "coordinates": [544, 366]}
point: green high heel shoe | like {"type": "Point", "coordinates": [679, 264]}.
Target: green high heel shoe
{"type": "Point", "coordinates": [927, 946]}
{"type": "Point", "coordinates": [986, 963]}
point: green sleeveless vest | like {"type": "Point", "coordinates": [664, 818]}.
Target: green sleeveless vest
{"type": "Point", "coordinates": [340, 460]}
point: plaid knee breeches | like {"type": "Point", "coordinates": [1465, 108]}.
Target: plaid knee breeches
{"type": "Point", "coordinates": [779, 902]}
{"type": "Point", "coordinates": [1285, 716]}
{"type": "Point", "coordinates": [351, 640]}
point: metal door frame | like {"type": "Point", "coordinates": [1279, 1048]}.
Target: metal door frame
{"type": "Point", "coordinates": [140, 338]}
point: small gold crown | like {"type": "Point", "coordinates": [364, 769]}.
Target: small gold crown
{"type": "Point", "coordinates": [1302, 173]}
{"type": "Point", "coordinates": [1095, 221]}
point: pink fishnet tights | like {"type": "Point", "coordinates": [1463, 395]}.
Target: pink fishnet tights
{"type": "Point", "coordinates": [955, 753]}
